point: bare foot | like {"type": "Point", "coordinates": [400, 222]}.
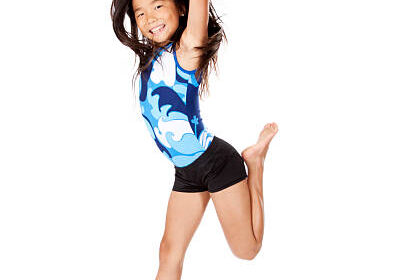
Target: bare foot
{"type": "Point", "coordinates": [256, 153]}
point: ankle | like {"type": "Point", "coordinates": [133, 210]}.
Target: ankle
{"type": "Point", "coordinates": [256, 164]}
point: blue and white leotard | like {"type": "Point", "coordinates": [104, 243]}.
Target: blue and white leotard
{"type": "Point", "coordinates": [170, 107]}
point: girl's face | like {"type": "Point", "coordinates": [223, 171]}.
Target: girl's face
{"type": "Point", "coordinates": [156, 19]}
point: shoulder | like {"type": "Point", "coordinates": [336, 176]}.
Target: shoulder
{"type": "Point", "coordinates": [187, 55]}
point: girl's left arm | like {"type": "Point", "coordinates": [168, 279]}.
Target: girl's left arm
{"type": "Point", "coordinates": [196, 32]}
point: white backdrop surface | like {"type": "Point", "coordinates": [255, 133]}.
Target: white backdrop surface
{"type": "Point", "coordinates": [84, 189]}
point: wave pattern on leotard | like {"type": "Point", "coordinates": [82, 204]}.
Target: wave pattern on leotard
{"type": "Point", "coordinates": [170, 107]}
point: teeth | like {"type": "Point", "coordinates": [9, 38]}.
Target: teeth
{"type": "Point", "coordinates": [157, 29]}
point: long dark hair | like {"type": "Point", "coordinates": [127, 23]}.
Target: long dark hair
{"type": "Point", "coordinates": [147, 50]}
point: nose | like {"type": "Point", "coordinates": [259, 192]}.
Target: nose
{"type": "Point", "coordinates": [151, 17]}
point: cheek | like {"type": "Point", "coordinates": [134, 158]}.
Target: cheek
{"type": "Point", "coordinates": [140, 26]}
{"type": "Point", "coordinates": [174, 21]}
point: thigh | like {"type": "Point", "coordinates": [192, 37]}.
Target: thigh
{"type": "Point", "coordinates": [184, 214]}
{"type": "Point", "coordinates": [233, 208]}
{"type": "Point", "coordinates": [227, 167]}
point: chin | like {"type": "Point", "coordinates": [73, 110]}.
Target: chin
{"type": "Point", "coordinates": [160, 41]}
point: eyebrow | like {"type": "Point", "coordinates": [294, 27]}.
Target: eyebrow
{"type": "Point", "coordinates": [153, 1]}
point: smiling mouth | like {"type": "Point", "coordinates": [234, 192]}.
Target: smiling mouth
{"type": "Point", "coordinates": [157, 30]}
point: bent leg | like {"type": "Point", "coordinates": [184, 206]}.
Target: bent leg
{"type": "Point", "coordinates": [184, 214]}
{"type": "Point", "coordinates": [240, 208]}
{"type": "Point", "coordinates": [240, 211]}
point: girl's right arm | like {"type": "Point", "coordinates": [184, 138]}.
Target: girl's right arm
{"type": "Point", "coordinates": [196, 32]}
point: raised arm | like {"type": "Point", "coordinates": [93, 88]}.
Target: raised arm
{"type": "Point", "coordinates": [196, 32]}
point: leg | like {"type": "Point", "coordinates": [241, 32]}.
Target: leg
{"type": "Point", "coordinates": [240, 208]}
{"type": "Point", "coordinates": [184, 213]}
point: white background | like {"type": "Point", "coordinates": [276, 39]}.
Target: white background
{"type": "Point", "coordinates": [84, 189]}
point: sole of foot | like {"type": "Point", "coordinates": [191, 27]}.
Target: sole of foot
{"type": "Point", "coordinates": [257, 152]}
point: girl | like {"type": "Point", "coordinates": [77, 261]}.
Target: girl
{"type": "Point", "coordinates": [177, 43]}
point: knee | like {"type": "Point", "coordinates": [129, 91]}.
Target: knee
{"type": "Point", "coordinates": [247, 253]}
{"type": "Point", "coordinates": [170, 254]}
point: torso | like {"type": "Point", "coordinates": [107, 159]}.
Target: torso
{"type": "Point", "coordinates": [170, 107]}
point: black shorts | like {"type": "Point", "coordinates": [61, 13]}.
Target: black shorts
{"type": "Point", "coordinates": [219, 167]}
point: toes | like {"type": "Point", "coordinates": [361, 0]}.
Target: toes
{"type": "Point", "coordinates": [272, 125]}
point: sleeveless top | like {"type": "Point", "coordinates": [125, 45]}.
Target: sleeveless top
{"type": "Point", "coordinates": [170, 108]}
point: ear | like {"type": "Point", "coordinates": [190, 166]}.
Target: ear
{"type": "Point", "coordinates": [182, 10]}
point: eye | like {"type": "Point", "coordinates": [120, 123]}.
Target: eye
{"type": "Point", "coordinates": [139, 15]}
{"type": "Point", "coordinates": [158, 7]}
